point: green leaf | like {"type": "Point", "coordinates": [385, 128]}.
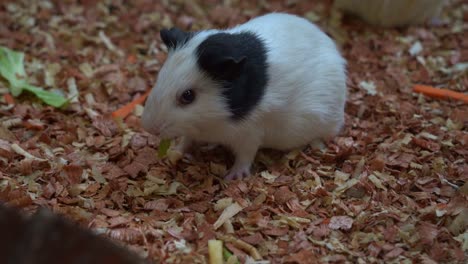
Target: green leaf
{"type": "Point", "coordinates": [50, 98]}
{"type": "Point", "coordinates": [12, 69]}
{"type": "Point", "coordinates": [163, 147]}
{"type": "Point", "coordinates": [227, 254]}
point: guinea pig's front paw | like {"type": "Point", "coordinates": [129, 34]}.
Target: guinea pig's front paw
{"type": "Point", "coordinates": [179, 150]}
{"type": "Point", "coordinates": [182, 145]}
{"type": "Point", "coordinates": [238, 173]}
{"type": "Point", "coordinates": [174, 156]}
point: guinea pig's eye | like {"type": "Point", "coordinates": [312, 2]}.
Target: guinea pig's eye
{"type": "Point", "coordinates": [187, 97]}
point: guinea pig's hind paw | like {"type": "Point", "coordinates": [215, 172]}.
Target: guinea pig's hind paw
{"type": "Point", "coordinates": [237, 174]}
{"type": "Point", "coordinates": [174, 156]}
{"type": "Point", "coordinates": [318, 145]}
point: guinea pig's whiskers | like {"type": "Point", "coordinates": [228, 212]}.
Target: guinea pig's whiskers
{"type": "Point", "coordinates": [212, 114]}
{"type": "Point", "coordinates": [163, 127]}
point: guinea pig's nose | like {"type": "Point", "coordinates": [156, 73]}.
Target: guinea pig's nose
{"type": "Point", "coordinates": [148, 123]}
{"type": "Point", "coordinates": [151, 128]}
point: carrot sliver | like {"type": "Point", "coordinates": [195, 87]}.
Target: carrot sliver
{"type": "Point", "coordinates": [9, 99]}
{"type": "Point", "coordinates": [439, 93]}
{"type": "Point", "coordinates": [131, 59]}
{"type": "Point", "coordinates": [128, 108]}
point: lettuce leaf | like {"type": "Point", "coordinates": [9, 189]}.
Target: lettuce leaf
{"type": "Point", "coordinates": [228, 254]}
{"type": "Point", "coordinates": [164, 147]}
{"type": "Point", "coordinates": [12, 69]}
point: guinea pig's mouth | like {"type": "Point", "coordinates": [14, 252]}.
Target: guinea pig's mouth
{"type": "Point", "coordinates": [173, 132]}
{"type": "Point", "coordinates": [165, 136]}
{"type": "Point", "coordinates": [167, 133]}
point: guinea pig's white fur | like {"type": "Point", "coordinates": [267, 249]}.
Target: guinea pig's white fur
{"type": "Point", "coordinates": [303, 102]}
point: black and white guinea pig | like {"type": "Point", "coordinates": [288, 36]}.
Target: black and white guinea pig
{"type": "Point", "coordinates": [276, 81]}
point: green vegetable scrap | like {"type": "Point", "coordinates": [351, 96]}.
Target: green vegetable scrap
{"type": "Point", "coordinates": [227, 255]}
{"type": "Point", "coordinates": [163, 147]}
{"type": "Point", "coordinates": [12, 69]}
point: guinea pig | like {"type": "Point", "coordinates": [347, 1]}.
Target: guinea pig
{"type": "Point", "coordinates": [276, 81]}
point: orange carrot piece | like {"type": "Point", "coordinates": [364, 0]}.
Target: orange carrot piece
{"type": "Point", "coordinates": [439, 93]}
{"type": "Point", "coordinates": [128, 108]}
{"type": "Point", "coordinates": [131, 59]}
{"type": "Point", "coordinates": [9, 99]}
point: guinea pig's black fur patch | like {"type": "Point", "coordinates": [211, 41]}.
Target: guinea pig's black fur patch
{"type": "Point", "coordinates": [239, 62]}
{"type": "Point", "coordinates": [175, 38]}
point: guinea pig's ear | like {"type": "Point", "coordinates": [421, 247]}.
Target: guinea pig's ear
{"type": "Point", "coordinates": [230, 67]}
{"type": "Point", "coordinates": [174, 37]}
{"type": "Point", "coordinates": [222, 67]}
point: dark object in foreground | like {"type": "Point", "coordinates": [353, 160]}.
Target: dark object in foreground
{"type": "Point", "coordinates": [48, 238]}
